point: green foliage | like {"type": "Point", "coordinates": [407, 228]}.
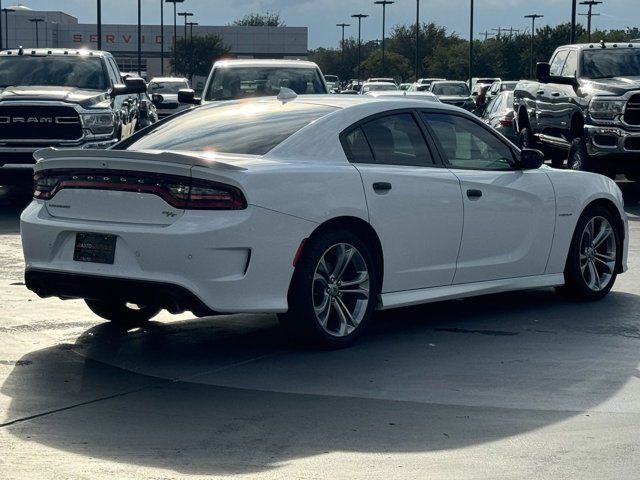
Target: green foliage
{"type": "Point", "coordinates": [267, 19]}
{"type": "Point", "coordinates": [196, 58]}
{"type": "Point", "coordinates": [445, 54]}
{"type": "Point", "coordinates": [396, 65]}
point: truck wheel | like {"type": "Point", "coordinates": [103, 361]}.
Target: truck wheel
{"type": "Point", "coordinates": [579, 157]}
{"type": "Point", "coordinates": [121, 313]}
{"type": "Point", "coordinates": [590, 271]}
{"type": "Point", "coordinates": [334, 290]}
{"type": "Point", "coordinates": [525, 139]}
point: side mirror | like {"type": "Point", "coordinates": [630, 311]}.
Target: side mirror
{"type": "Point", "coordinates": [543, 70]}
{"type": "Point", "coordinates": [131, 85]}
{"type": "Point", "coordinates": [188, 95]}
{"type": "Point", "coordinates": [531, 159]}
{"type": "Point", "coordinates": [157, 99]}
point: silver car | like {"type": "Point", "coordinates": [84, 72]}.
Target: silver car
{"type": "Point", "coordinates": [164, 92]}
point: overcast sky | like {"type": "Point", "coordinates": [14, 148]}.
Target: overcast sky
{"type": "Point", "coordinates": [322, 15]}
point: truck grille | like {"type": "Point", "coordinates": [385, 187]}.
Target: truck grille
{"type": "Point", "coordinates": [31, 122]}
{"type": "Point", "coordinates": [632, 112]}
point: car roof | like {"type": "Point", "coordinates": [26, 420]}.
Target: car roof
{"type": "Point", "coordinates": [602, 45]}
{"type": "Point", "coordinates": [460, 82]}
{"type": "Point", "coordinates": [341, 102]}
{"type": "Point", "coordinates": [168, 79]}
{"type": "Point", "coordinates": [379, 83]}
{"type": "Point", "coordinates": [265, 63]}
{"type": "Point", "coordinates": [69, 52]}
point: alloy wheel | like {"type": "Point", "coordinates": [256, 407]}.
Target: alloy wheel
{"type": "Point", "coordinates": [598, 253]}
{"type": "Point", "coordinates": [340, 290]}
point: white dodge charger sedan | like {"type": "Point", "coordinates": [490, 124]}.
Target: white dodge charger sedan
{"type": "Point", "coordinates": [321, 209]}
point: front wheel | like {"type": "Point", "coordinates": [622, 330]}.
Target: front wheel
{"type": "Point", "coordinates": [122, 313]}
{"type": "Point", "coordinates": [590, 271]}
{"type": "Point", "coordinates": [578, 156]}
{"type": "Point", "coordinates": [334, 290]}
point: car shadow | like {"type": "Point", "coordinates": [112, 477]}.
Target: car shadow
{"type": "Point", "coordinates": [233, 395]}
{"type": "Point", "coordinates": [631, 194]}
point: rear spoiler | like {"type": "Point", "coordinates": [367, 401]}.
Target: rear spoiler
{"type": "Point", "coordinates": [196, 159]}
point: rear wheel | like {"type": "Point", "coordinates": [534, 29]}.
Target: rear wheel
{"type": "Point", "coordinates": [123, 313]}
{"type": "Point", "coordinates": [590, 271]}
{"type": "Point", "coordinates": [334, 290]}
{"type": "Point", "coordinates": [525, 138]}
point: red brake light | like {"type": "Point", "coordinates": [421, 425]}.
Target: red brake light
{"type": "Point", "coordinates": [179, 192]}
{"type": "Point", "coordinates": [506, 121]}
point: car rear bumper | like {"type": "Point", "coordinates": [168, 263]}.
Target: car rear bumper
{"type": "Point", "coordinates": [210, 261]}
{"type": "Point", "coordinates": [174, 298]}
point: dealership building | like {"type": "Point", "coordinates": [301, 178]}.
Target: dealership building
{"type": "Point", "coordinates": [61, 30]}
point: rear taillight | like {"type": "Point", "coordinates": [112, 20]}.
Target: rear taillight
{"type": "Point", "coordinates": [506, 121]}
{"type": "Point", "coordinates": [179, 192]}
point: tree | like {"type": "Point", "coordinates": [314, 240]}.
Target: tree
{"type": "Point", "coordinates": [396, 65]}
{"type": "Point", "coordinates": [196, 58]}
{"type": "Point", "coordinates": [267, 19]}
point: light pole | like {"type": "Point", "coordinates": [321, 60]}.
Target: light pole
{"type": "Point", "coordinates": [175, 32]}
{"type": "Point", "coordinates": [139, 38]}
{"type": "Point", "coordinates": [533, 17]}
{"type": "Point", "coordinates": [417, 39]}
{"type": "Point", "coordinates": [185, 15]}
{"type": "Point", "coordinates": [342, 44]}
{"type": "Point", "coordinates": [471, 47]}
{"type": "Point", "coordinates": [572, 38]}
{"type": "Point", "coordinates": [6, 25]}
{"type": "Point", "coordinates": [384, 4]}
{"type": "Point", "coordinates": [99, 22]}
{"type": "Point", "coordinates": [36, 21]}
{"type": "Point", "coordinates": [590, 4]}
{"type": "Point", "coordinates": [1, 26]}
{"type": "Point", "coordinates": [161, 37]}
{"type": "Point", "coordinates": [191, 24]}
{"type": "Point", "coordinates": [359, 16]}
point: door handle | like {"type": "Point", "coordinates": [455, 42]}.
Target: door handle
{"type": "Point", "coordinates": [474, 194]}
{"type": "Point", "coordinates": [540, 92]}
{"type": "Point", "coordinates": [381, 187]}
{"type": "Point", "coordinates": [555, 94]}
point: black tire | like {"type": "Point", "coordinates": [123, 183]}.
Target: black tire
{"type": "Point", "coordinates": [307, 291]}
{"type": "Point", "coordinates": [526, 139]}
{"type": "Point", "coordinates": [579, 157]}
{"type": "Point", "coordinates": [120, 313]}
{"type": "Point", "coordinates": [576, 286]}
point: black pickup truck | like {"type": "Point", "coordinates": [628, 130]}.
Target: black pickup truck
{"type": "Point", "coordinates": [60, 98]}
{"type": "Point", "coordinates": [585, 108]}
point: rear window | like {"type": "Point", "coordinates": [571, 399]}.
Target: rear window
{"type": "Point", "coordinates": [234, 83]}
{"type": "Point", "coordinates": [251, 128]}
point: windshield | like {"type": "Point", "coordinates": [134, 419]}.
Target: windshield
{"type": "Point", "coordinates": [167, 87]}
{"type": "Point", "coordinates": [240, 127]}
{"type": "Point", "coordinates": [242, 82]}
{"type": "Point", "coordinates": [72, 71]}
{"type": "Point", "coordinates": [379, 87]}
{"type": "Point", "coordinates": [452, 89]}
{"type": "Point", "coordinates": [607, 63]}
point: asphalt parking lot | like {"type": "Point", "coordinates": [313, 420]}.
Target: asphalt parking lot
{"type": "Point", "coordinates": [522, 385]}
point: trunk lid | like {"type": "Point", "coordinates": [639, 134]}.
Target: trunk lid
{"type": "Point", "coordinates": [118, 186]}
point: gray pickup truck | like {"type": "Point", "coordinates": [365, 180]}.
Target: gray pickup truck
{"type": "Point", "coordinates": [60, 98]}
{"type": "Point", "coordinates": [585, 108]}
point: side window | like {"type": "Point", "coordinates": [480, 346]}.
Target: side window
{"type": "Point", "coordinates": [467, 144]}
{"type": "Point", "coordinates": [357, 147]}
{"type": "Point", "coordinates": [114, 76]}
{"type": "Point", "coordinates": [557, 63]}
{"type": "Point", "coordinates": [571, 65]}
{"type": "Point", "coordinates": [397, 140]}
